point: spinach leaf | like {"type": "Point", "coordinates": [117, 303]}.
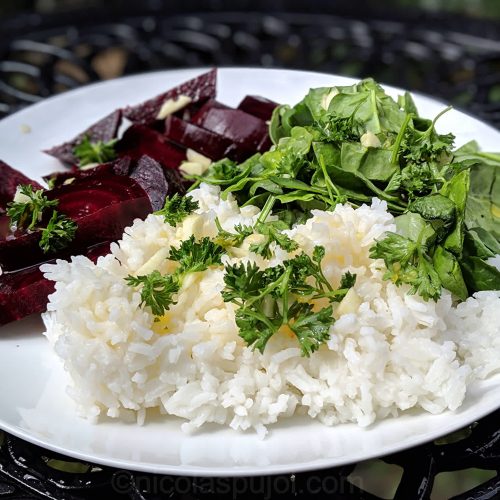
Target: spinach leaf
{"type": "Point", "coordinates": [407, 104]}
{"type": "Point", "coordinates": [483, 203]}
{"type": "Point", "coordinates": [370, 105]}
{"type": "Point", "coordinates": [480, 275]}
{"type": "Point", "coordinates": [456, 190]}
{"type": "Point", "coordinates": [480, 243]}
{"type": "Point", "coordinates": [449, 272]}
{"type": "Point", "coordinates": [436, 208]}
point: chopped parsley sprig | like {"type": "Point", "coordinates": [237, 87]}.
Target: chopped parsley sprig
{"type": "Point", "coordinates": [88, 152]}
{"type": "Point", "coordinates": [58, 234]}
{"type": "Point", "coordinates": [278, 298]}
{"type": "Point", "coordinates": [158, 291]}
{"type": "Point", "coordinates": [27, 214]}
{"type": "Point", "coordinates": [177, 208]}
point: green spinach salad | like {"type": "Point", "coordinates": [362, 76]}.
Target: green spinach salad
{"type": "Point", "coordinates": [352, 143]}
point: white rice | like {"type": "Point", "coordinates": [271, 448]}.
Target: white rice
{"type": "Point", "coordinates": [388, 351]}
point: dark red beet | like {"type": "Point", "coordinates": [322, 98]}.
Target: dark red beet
{"type": "Point", "coordinates": [199, 116]}
{"type": "Point", "coordinates": [121, 166]}
{"type": "Point", "coordinates": [4, 226]}
{"type": "Point", "coordinates": [176, 183]}
{"type": "Point", "coordinates": [198, 89]}
{"type": "Point", "coordinates": [236, 126]}
{"type": "Point", "coordinates": [149, 174]}
{"type": "Point", "coordinates": [140, 140]}
{"type": "Point", "coordinates": [258, 106]}
{"type": "Point", "coordinates": [102, 206]}
{"type": "Point", "coordinates": [26, 291]}
{"type": "Point", "coordinates": [10, 178]}
{"type": "Point", "coordinates": [104, 130]}
{"type": "Point", "coordinates": [208, 143]}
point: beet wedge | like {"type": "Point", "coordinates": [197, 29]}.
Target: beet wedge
{"type": "Point", "coordinates": [198, 89]}
{"type": "Point", "coordinates": [102, 206]}
{"type": "Point", "coordinates": [203, 141]}
{"type": "Point", "coordinates": [26, 291]}
{"type": "Point", "coordinates": [258, 106]}
{"type": "Point", "coordinates": [10, 178]}
{"type": "Point", "coordinates": [235, 125]}
{"type": "Point", "coordinates": [199, 116]}
{"type": "Point", "coordinates": [121, 166]}
{"type": "Point", "coordinates": [104, 130]}
{"type": "Point", "coordinates": [140, 140]}
{"type": "Point", "coordinates": [149, 174]}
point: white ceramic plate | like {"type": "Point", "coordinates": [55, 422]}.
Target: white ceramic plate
{"type": "Point", "coordinates": [33, 402]}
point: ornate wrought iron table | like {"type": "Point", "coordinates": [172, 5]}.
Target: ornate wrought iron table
{"type": "Point", "coordinates": [453, 58]}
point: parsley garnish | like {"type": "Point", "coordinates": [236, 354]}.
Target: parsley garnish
{"type": "Point", "coordinates": [27, 214]}
{"type": "Point", "coordinates": [157, 291]}
{"type": "Point", "coordinates": [408, 262]}
{"type": "Point", "coordinates": [333, 128]}
{"type": "Point", "coordinates": [89, 152]}
{"type": "Point", "coordinates": [273, 298]}
{"type": "Point", "coordinates": [59, 232]}
{"type": "Point", "coordinates": [177, 208]}
{"type": "Point", "coordinates": [273, 233]}
{"type": "Point", "coordinates": [226, 239]}
{"type": "Point", "coordinates": [193, 256]}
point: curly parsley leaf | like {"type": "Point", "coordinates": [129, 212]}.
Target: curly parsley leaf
{"type": "Point", "coordinates": [177, 208]}
{"type": "Point", "coordinates": [60, 231]}
{"type": "Point", "coordinates": [226, 239]}
{"type": "Point", "coordinates": [157, 291]}
{"type": "Point", "coordinates": [334, 128]}
{"type": "Point", "coordinates": [273, 232]}
{"type": "Point", "coordinates": [88, 152]}
{"type": "Point", "coordinates": [255, 328]}
{"type": "Point", "coordinates": [347, 281]}
{"type": "Point", "coordinates": [277, 297]}
{"type": "Point", "coordinates": [407, 262]}
{"type": "Point", "coordinates": [195, 256]}
{"type": "Point", "coordinates": [27, 213]}
{"type": "Point", "coordinates": [311, 328]}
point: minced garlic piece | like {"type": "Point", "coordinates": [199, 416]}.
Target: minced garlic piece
{"type": "Point", "coordinates": [350, 303]}
{"type": "Point", "coordinates": [370, 140]}
{"type": "Point", "coordinates": [170, 106]}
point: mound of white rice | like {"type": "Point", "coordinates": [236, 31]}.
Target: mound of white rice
{"type": "Point", "coordinates": [388, 351]}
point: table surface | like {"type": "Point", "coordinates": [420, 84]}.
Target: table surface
{"type": "Point", "coordinates": [455, 58]}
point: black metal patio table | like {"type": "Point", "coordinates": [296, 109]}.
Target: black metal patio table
{"type": "Point", "coordinates": [453, 57]}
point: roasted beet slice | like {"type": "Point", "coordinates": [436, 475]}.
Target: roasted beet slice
{"type": "Point", "coordinates": [208, 143]}
{"type": "Point", "coordinates": [198, 89]}
{"type": "Point", "coordinates": [149, 174]}
{"type": "Point", "coordinates": [102, 206]}
{"type": "Point", "coordinates": [26, 291]}
{"type": "Point", "coordinates": [140, 140]}
{"type": "Point", "coordinates": [121, 166]}
{"type": "Point", "coordinates": [198, 117]}
{"type": "Point", "coordinates": [4, 226]}
{"type": "Point", "coordinates": [258, 106]}
{"type": "Point", "coordinates": [176, 182]}
{"type": "Point", "coordinates": [10, 178]}
{"type": "Point", "coordinates": [104, 130]}
{"type": "Point", "coordinates": [235, 125]}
